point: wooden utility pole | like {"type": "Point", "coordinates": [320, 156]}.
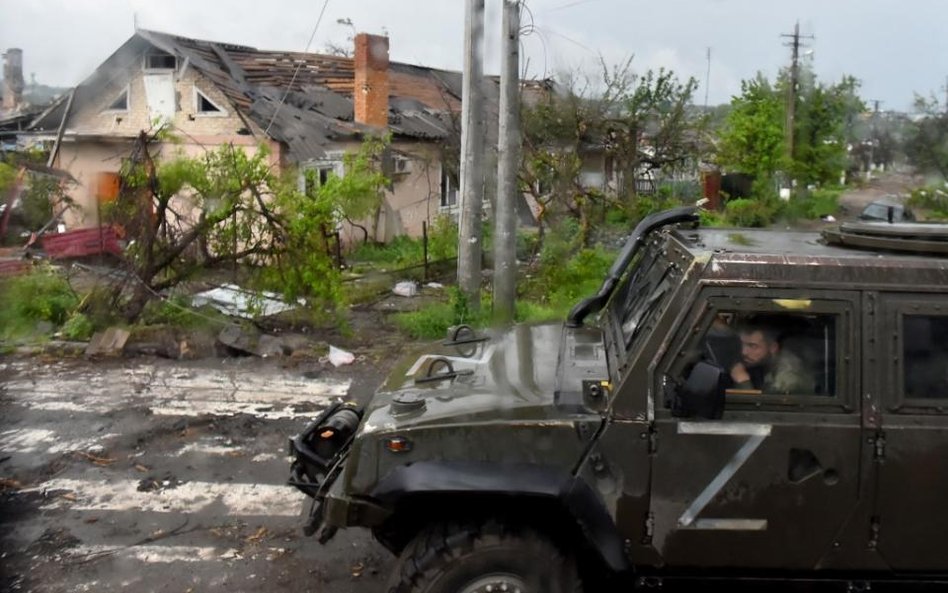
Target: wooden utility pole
{"type": "Point", "coordinates": [508, 151]}
{"type": "Point", "coordinates": [472, 155]}
{"type": "Point", "coordinates": [795, 46]}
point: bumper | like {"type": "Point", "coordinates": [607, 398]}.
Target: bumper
{"type": "Point", "coordinates": [319, 454]}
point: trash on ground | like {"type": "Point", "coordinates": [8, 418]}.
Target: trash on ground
{"type": "Point", "coordinates": [339, 357]}
{"type": "Point", "coordinates": [434, 285]}
{"type": "Point", "coordinates": [232, 300]}
{"type": "Point", "coordinates": [406, 289]}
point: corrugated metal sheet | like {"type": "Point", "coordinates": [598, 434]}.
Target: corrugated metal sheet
{"type": "Point", "coordinates": [82, 242]}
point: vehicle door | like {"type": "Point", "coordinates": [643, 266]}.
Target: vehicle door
{"type": "Point", "coordinates": [912, 446]}
{"type": "Point", "coordinates": [770, 483]}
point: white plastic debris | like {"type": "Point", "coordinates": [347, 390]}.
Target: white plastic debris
{"type": "Point", "coordinates": [406, 289]}
{"type": "Point", "coordinates": [339, 357]}
{"type": "Point", "coordinates": [829, 218]}
{"type": "Point", "coordinates": [434, 285]}
{"type": "Point", "coordinates": [235, 301]}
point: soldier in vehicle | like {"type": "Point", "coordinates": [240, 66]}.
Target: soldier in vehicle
{"type": "Point", "coordinates": [766, 367]}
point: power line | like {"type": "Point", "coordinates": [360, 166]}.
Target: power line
{"type": "Point", "coordinates": [298, 66]}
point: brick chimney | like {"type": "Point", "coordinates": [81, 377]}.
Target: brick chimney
{"type": "Point", "coordinates": [12, 78]}
{"type": "Point", "coordinates": [370, 92]}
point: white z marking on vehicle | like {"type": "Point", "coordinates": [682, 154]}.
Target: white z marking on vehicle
{"type": "Point", "coordinates": [756, 433]}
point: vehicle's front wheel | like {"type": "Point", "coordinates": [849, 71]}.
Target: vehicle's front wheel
{"type": "Point", "coordinates": [489, 558]}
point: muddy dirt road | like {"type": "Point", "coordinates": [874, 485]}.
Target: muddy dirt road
{"type": "Point", "coordinates": [147, 475]}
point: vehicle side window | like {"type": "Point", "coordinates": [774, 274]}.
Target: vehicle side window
{"type": "Point", "coordinates": [774, 353]}
{"type": "Point", "coordinates": [925, 356]}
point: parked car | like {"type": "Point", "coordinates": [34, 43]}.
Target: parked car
{"type": "Point", "coordinates": [888, 209]}
{"type": "Point", "coordinates": [746, 403]}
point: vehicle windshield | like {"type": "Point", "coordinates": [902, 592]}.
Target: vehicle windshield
{"type": "Point", "coordinates": [636, 300]}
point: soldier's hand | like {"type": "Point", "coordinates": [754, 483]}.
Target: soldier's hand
{"type": "Point", "coordinates": [739, 374]}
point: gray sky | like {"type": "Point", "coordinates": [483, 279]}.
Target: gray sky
{"type": "Point", "coordinates": [895, 48]}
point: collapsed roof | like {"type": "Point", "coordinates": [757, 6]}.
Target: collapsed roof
{"type": "Point", "coordinates": [303, 100]}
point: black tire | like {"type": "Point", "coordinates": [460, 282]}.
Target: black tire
{"type": "Point", "coordinates": [455, 558]}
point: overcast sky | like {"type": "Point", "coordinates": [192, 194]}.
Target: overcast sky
{"type": "Point", "coordinates": [895, 48]}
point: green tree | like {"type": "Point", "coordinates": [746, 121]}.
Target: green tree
{"type": "Point", "coordinates": [753, 139]}
{"type": "Point", "coordinates": [226, 206]}
{"type": "Point", "coordinates": [641, 123]}
{"type": "Point", "coordinates": [926, 143]}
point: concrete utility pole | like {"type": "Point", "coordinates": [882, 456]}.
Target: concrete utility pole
{"type": "Point", "coordinates": [707, 81]}
{"type": "Point", "coordinates": [795, 45]}
{"type": "Point", "coordinates": [472, 155]}
{"type": "Point", "coordinates": [508, 150]}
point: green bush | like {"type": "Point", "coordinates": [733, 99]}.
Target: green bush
{"type": "Point", "coordinates": [933, 200]}
{"type": "Point", "coordinates": [749, 212]}
{"type": "Point", "coordinates": [813, 205]}
{"type": "Point", "coordinates": [642, 206]}
{"type": "Point", "coordinates": [41, 296]}
{"type": "Point", "coordinates": [561, 279]}
{"type": "Point", "coordinates": [442, 238]}
{"type": "Point", "coordinates": [78, 327]}
{"type": "Point", "coordinates": [711, 218]}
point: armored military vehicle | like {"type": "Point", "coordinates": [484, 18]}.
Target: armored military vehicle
{"type": "Point", "coordinates": [731, 402]}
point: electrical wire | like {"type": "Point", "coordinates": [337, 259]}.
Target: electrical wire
{"type": "Point", "coordinates": [298, 66]}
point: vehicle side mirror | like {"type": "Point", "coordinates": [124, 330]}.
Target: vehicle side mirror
{"type": "Point", "coordinates": [702, 394]}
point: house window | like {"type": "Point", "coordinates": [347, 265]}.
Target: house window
{"type": "Point", "coordinates": [119, 103]}
{"type": "Point", "coordinates": [203, 105]}
{"type": "Point", "coordinates": [159, 60]}
{"type": "Point", "coordinates": [449, 189]}
{"type": "Point", "coordinates": [317, 176]}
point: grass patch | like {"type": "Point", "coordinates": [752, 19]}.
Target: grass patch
{"type": "Point", "coordinates": [433, 321]}
{"type": "Point", "coordinates": [35, 304]}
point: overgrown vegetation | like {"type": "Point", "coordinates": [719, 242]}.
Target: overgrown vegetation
{"type": "Point", "coordinates": [227, 206]}
{"type": "Point", "coordinates": [640, 123]}
{"type": "Point", "coordinates": [34, 305]}
{"type": "Point", "coordinates": [932, 202]}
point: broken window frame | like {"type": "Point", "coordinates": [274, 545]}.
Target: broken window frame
{"type": "Point", "coordinates": [127, 93]}
{"type": "Point", "coordinates": [196, 103]}
{"type": "Point", "coordinates": [332, 164]}
{"type": "Point", "coordinates": [147, 65]}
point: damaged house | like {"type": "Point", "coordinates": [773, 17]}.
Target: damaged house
{"type": "Point", "coordinates": [310, 109]}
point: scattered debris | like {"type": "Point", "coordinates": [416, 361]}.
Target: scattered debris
{"type": "Point", "coordinates": [339, 357]}
{"type": "Point", "coordinates": [258, 536]}
{"type": "Point", "coordinates": [406, 289]}
{"type": "Point", "coordinates": [153, 484]}
{"type": "Point", "coordinates": [232, 300]}
{"type": "Point", "coordinates": [434, 285]}
{"type": "Point", "coordinates": [9, 484]}
{"type": "Point", "coordinates": [110, 342]}
{"type": "Point", "coordinates": [100, 461]}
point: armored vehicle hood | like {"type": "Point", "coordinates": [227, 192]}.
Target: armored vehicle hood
{"type": "Point", "coordinates": [530, 373]}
